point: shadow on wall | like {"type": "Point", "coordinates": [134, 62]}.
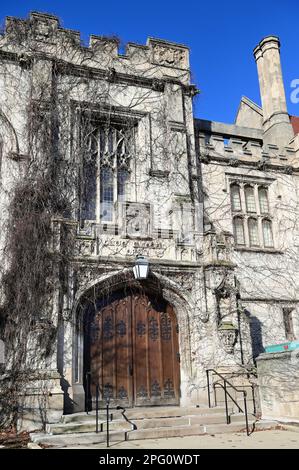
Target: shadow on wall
{"type": "Point", "coordinates": [255, 334]}
{"type": "Point", "coordinates": [68, 402]}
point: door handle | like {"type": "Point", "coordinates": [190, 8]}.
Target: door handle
{"type": "Point", "coordinates": [130, 369]}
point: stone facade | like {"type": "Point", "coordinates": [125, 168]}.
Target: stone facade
{"type": "Point", "coordinates": [278, 385]}
{"type": "Point", "coordinates": [175, 207]}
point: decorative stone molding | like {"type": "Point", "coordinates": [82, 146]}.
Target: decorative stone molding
{"type": "Point", "coordinates": [226, 287]}
{"type": "Point", "coordinates": [288, 170]}
{"type": "Point", "coordinates": [262, 165]}
{"type": "Point", "coordinates": [190, 90]}
{"type": "Point", "coordinates": [169, 56]}
{"type": "Point", "coordinates": [234, 162]}
{"type": "Point", "coordinates": [86, 274]}
{"type": "Point", "coordinates": [137, 220]}
{"type": "Point", "coordinates": [184, 280]}
{"type": "Point", "coordinates": [218, 247]}
{"type": "Point", "coordinates": [228, 336]}
{"type": "Point", "coordinates": [158, 85]}
{"type": "Point", "coordinates": [84, 247]}
{"type": "Point", "coordinates": [111, 74]}
{"type": "Point", "coordinates": [205, 159]}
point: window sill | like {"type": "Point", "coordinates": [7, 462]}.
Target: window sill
{"type": "Point", "coordinates": [258, 249]}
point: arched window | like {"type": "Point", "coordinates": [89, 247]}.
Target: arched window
{"type": "Point", "coordinates": [250, 200]}
{"type": "Point", "coordinates": [267, 233]}
{"type": "Point", "coordinates": [235, 197]}
{"type": "Point", "coordinates": [239, 231]}
{"type": "Point", "coordinates": [253, 232]}
{"type": "Point", "coordinates": [263, 200]}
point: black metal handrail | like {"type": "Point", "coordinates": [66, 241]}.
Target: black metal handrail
{"type": "Point", "coordinates": [226, 394]}
{"type": "Point", "coordinates": [232, 399]}
{"type": "Point", "coordinates": [109, 417]}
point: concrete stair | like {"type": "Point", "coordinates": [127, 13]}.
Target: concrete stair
{"type": "Point", "coordinates": [152, 423]}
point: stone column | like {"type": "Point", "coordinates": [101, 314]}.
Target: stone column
{"type": "Point", "coordinates": [276, 123]}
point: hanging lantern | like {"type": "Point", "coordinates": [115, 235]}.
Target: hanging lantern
{"type": "Point", "coordinates": [141, 267]}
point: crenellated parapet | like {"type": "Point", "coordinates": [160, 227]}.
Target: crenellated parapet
{"type": "Point", "coordinates": [237, 146]}
{"type": "Point", "coordinates": [42, 35]}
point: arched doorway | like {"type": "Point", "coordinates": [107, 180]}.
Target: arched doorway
{"type": "Point", "coordinates": [131, 350]}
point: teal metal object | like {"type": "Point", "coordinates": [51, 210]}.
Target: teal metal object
{"type": "Point", "coordinates": [289, 346]}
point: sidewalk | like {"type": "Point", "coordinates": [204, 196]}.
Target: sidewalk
{"type": "Point", "coordinates": [258, 440]}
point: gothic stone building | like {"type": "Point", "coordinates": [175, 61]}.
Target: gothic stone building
{"type": "Point", "coordinates": [213, 207]}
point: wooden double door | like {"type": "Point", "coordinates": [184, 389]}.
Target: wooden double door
{"type": "Point", "coordinates": [132, 351]}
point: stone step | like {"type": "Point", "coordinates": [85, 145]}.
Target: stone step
{"type": "Point", "coordinates": [165, 412]}
{"type": "Point", "coordinates": [64, 440]}
{"type": "Point", "coordinates": [81, 439]}
{"type": "Point", "coordinates": [86, 427]}
{"type": "Point", "coordinates": [142, 413]}
{"type": "Point", "coordinates": [121, 424]}
{"type": "Point", "coordinates": [157, 433]}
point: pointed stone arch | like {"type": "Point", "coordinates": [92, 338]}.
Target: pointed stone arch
{"type": "Point", "coordinates": [105, 284]}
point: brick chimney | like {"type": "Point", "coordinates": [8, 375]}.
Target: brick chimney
{"type": "Point", "coordinates": [276, 122]}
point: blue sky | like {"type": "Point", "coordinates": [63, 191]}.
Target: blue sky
{"type": "Point", "coordinates": [220, 34]}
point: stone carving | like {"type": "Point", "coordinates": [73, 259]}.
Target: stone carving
{"type": "Point", "coordinates": [111, 74]}
{"type": "Point", "coordinates": [218, 246]}
{"type": "Point", "coordinates": [170, 56]}
{"type": "Point", "coordinates": [86, 274]}
{"type": "Point", "coordinates": [137, 220]}
{"type": "Point", "coordinates": [262, 165]}
{"type": "Point", "coordinates": [225, 288]}
{"type": "Point", "coordinates": [228, 336]}
{"type": "Point", "coordinates": [233, 162]}
{"type": "Point", "coordinates": [191, 90]}
{"type": "Point", "coordinates": [43, 29]}
{"type": "Point", "coordinates": [288, 170]}
{"type": "Point", "coordinates": [158, 85]}
{"type": "Point", "coordinates": [184, 280]}
{"type": "Point", "coordinates": [84, 247]}
{"type": "Point", "coordinates": [225, 292]}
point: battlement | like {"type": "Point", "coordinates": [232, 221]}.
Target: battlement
{"type": "Point", "coordinates": [239, 145]}
{"type": "Point", "coordinates": [42, 34]}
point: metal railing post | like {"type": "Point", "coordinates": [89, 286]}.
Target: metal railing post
{"type": "Point", "coordinates": [246, 413]}
{"type": "Point", "coordinates": [226, 405]}
{"type": "Point", "coordinates": [224, 386]}
{"type": "Point", "coordinates": [215, 395]}
{"type": "Point", "coordinates": [97, 408]}
{"type": "Point", "coordinates": [87, 377]}
{"type": "Point", "coordinates": [208, 383]}
{"type": "Point", "coordinates": [107, 422]}
{"type": "Point", "coordinates": [253, 399]}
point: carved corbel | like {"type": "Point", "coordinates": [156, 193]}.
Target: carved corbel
{"type": "Point", "coordinates": [228, 334]}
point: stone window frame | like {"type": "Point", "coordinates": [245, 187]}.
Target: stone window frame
{"type": "Point", "coordinates": [247, 213]}
{"type": "Point", "coordinates": [115, 115]}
